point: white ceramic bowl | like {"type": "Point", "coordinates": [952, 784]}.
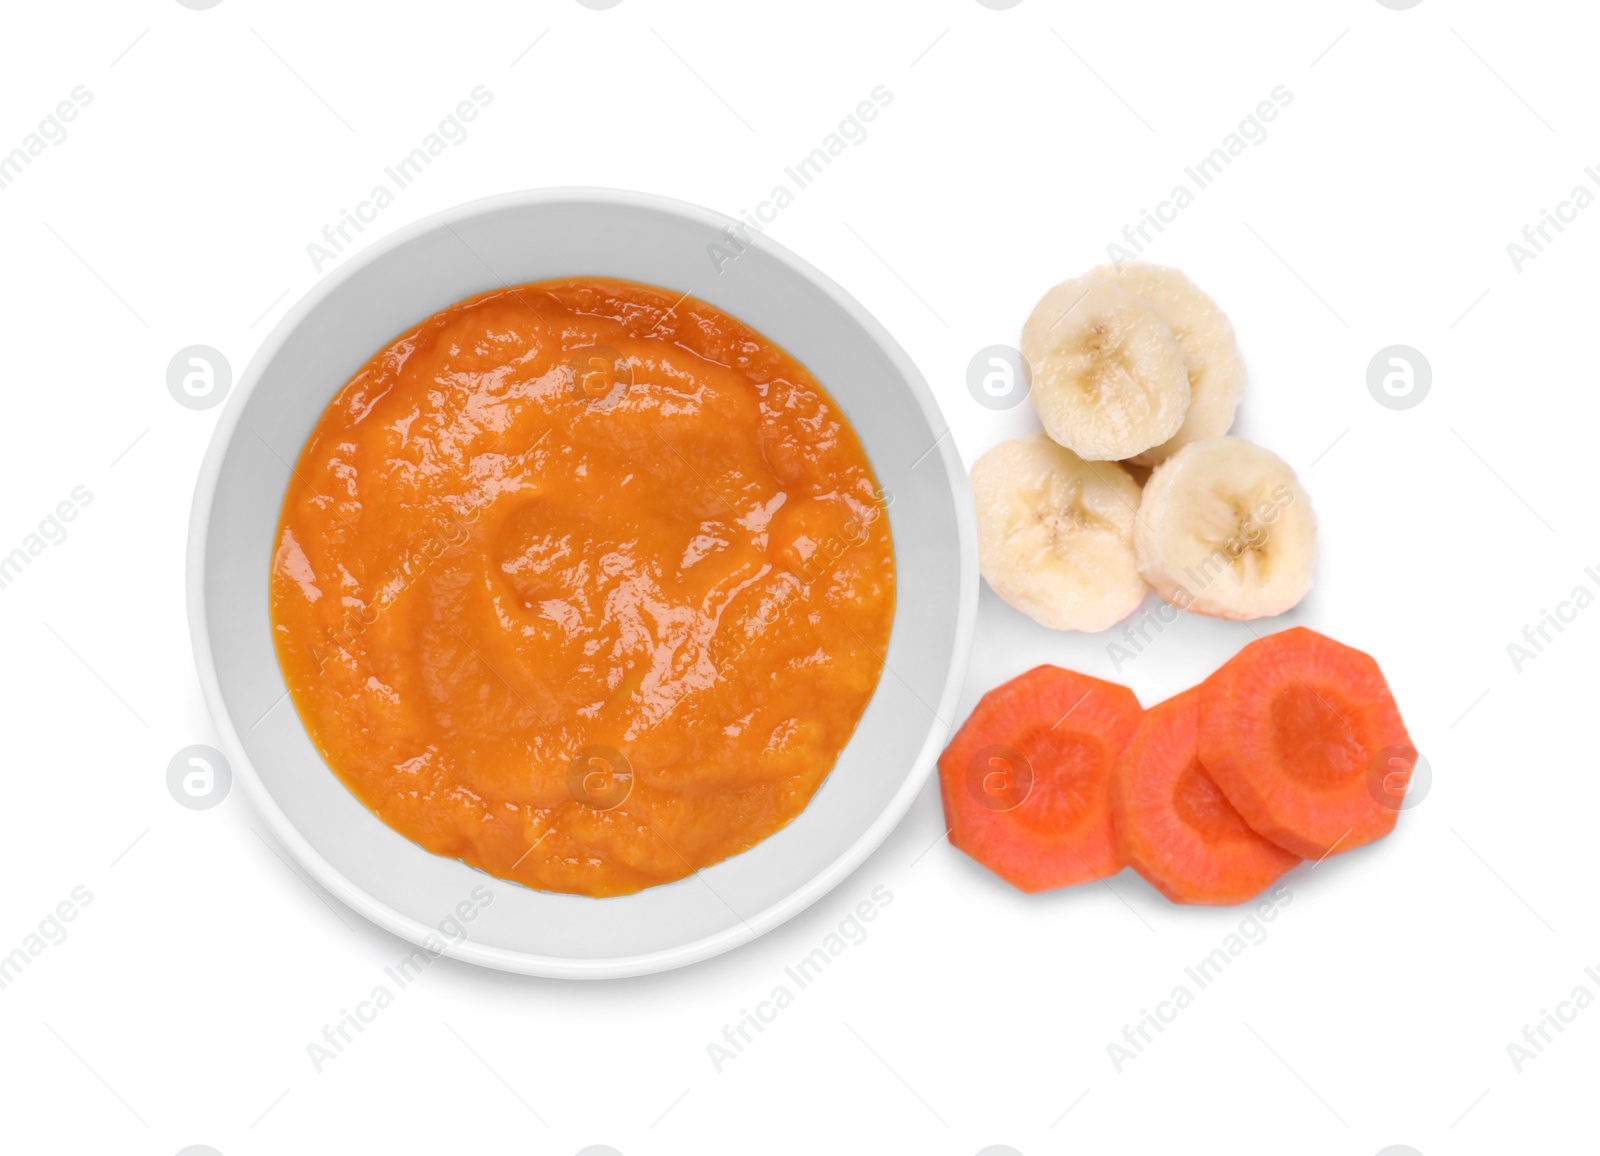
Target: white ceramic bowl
{"type": "Point", "coordinates": [372, 298]}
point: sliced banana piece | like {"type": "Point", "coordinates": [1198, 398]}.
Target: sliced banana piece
{"type": "Point", "coordinates": [1210, 350]}
{"type": "Point", "coordinates": [1055, 534]}
{"type": "Point", "coordinates": [1225, 528]}
{"type": "Point", "coordinates": [1109, 379]}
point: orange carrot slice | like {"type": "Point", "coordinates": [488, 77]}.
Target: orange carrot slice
{"type": "Point", "coordinates": [1304, 738]}
{"type": "Point", "coordinates": [1025, 780]}
{"type": "Point", "coordinates": [1175, 826]}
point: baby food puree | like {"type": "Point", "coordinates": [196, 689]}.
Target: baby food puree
{"type": "Point", "coordinates": [584, 583]}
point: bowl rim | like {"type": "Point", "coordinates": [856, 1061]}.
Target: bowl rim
{"type": "Point", "coordinates": [411, 929]}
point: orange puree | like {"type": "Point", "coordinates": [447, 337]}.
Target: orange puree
{"type": "Point", "coordinates": [584, 584]}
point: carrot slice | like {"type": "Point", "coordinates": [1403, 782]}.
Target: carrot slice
{"type": "Point", "coordinates": [1025, 780]}
{"type": "Point", "coordinates": [1175, 826]}
{"type": "Point", "coordinates": [1304, 738]}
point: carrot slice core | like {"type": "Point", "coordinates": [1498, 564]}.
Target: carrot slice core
{"type": "Point", "coordinates": [1025, 780]}
{"type": "Point", "coordinates": [1175, 826]}
{"type": "Point", "coordinates": [1303, 736]}
{"type": "Point", "coordinates": [1203, 808]}
{"type": "Point", "coordinates": [1311, 738]}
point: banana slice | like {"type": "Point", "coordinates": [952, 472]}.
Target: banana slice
{"type": "Point", "coordinates": [1210, 350]}
{"type": "Point", "coordinates": [1055, 534]}
{"type": "Point", "coordinates": [1109, 380]}
{"type": "Point", "coordinates": [1226, 529]}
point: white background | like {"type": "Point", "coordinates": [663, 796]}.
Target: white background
{"type": "Point", "coordinates": [1018, 143]}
